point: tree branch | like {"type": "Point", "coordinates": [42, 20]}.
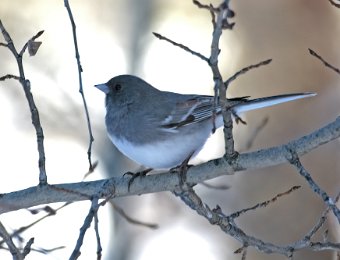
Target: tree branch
{"type": "Point", "coordinates": [81, 91]}
{"type": "Point", "coordinates": [313, 53]}
{"type": "Point", "coordinates": [219, 21]}
{"type": "Point", "coordinates": [294, 160]}
{"type": "Point", "coordinates": [27, 89]}
{"type": "Point", "coordinates": [9, 76]}
{"type": "Point", "coordinates": [168, 181]}
{"type": "Point", "coordinates": [87, 222]}
{"type": "Point", "coordinates": [228, 225]}
{"type": "Point", "coordinates": [245, 70]}
{"type": "Point", "coordinates": [195, 53]}
{"type": "Point", "coordinates": [12, 248]}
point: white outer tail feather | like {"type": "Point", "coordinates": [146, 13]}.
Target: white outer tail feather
{"type": "Point", "coordinates": [270, 101]}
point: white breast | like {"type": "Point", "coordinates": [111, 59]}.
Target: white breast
{"type": "Point", "coordinates": [164, 154]}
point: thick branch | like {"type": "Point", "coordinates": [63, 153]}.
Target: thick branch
{"type": "Point", "coordinates": [118, 186]}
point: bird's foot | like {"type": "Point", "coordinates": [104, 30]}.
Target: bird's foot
{"type": "Point", "coordinates": [136, 175]}
{"type": "Point", "coordinates": [182, 171]}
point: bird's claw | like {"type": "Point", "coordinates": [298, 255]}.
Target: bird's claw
{"type": "Point", "coordinates": [136, 175]}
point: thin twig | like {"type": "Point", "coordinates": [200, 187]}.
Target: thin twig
{"type": "Point", "coordinates": [313, 53]}
{"type": "Point", "coordinates": [99, 246]}
{"type": "Point", "coordinates": [27, 248]}
{"type": "Point", "coordinates": [263, 204]}
{"type": "Point", "coordinates": [203, 6]}
{"type": "Point", "coordinates": [197, 54]}
{"type": "Point", "coordinates": [320, 222]}
{"type": "Point", "coordinates": [81, 90]}
{"type": "Point", "coordinates": [34, 111]}
{"type": "Point", "coordinates": [31, 40]}
{"type": "Point", "coordinates": [9, 76]}
{"type": "Point", "coordinates": [245, 70]}
{"type": "Point", "coordinates": [294, 160]}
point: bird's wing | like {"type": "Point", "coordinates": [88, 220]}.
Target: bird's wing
{"type": "Point", "coordinates": [200, 108]}
{"type": "Point", "coordinates": [191, 110]}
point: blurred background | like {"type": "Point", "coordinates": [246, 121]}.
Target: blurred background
{"type": "Point", "coordinates": [115, 37]}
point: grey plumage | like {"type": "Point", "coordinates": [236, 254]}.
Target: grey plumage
{"type": "Point", "coordinates": [160, 129]}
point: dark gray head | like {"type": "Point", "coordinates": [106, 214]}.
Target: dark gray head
{"type": "Point", "coordinates": [125, 89]}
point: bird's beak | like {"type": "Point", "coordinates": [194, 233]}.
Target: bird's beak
{"type": "Point", "coordinates": [103, 87]}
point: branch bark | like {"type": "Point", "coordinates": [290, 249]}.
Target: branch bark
{"type": "Point", "coordinates": [168, 181]}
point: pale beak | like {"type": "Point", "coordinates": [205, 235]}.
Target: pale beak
{"type": "Point", "coordinates": [103, 87]}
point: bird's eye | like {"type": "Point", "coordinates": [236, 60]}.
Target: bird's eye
{"type": "Point", "coordinates": [118, 87]}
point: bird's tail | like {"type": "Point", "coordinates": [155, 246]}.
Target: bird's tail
{"type": "Point", "coordinates": [257, 103]}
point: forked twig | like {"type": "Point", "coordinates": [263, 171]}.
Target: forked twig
{"type": "Point", "coordinates": [27, 89]}
{"type": "Point", "coordinates": [294, 160]}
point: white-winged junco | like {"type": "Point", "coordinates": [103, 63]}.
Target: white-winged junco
{"type": "Point", "coordinates": [160, 129]}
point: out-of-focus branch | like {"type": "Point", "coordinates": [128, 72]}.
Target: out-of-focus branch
{"type": "Point", "coordinates": [27, 248]}
{"type": "Point", "coordinates": [129, 219]}
{"type": "Point", "coordinates": [9, 76]}
{"type": "Point", "coordinates": [8, 239]}
{"type": "Point", "coordinates": [252, 136]}
{"type": "Point", "coordinates": [50, 212]}
{"type": "Point", "coordinates": [81, 90]}
{"type": "Point", "coordinates": [334, 3]}
{"type": "Point", "coordinates": [27, 89]}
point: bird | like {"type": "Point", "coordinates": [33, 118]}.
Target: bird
{"type": "Point", "coordinates": [160, 129]}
